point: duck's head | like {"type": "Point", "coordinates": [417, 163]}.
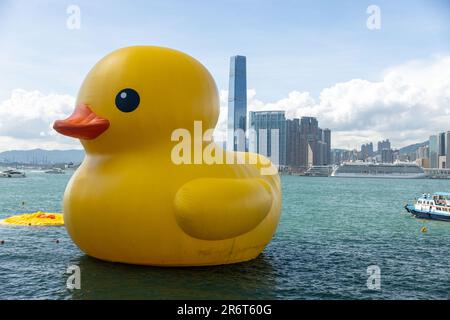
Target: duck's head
{"type": "Point", "coordinates": [137, 96]}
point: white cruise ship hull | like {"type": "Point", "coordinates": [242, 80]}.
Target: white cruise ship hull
{"type": "Point", "coordinates": [385, 176]}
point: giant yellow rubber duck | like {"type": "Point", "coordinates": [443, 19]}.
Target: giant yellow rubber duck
{"type": "Point", "coordinates": [129, 201]}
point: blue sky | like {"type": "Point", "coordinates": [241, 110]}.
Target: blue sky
{"type": "Point", "coordinates": [303, 46]}
{"type": "Point", "coordinates": [291, 45]}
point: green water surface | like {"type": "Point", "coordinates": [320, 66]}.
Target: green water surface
{"type": "Point", "coordinates": [330, 231]}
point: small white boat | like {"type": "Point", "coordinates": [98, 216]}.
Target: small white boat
{"type": "Point", "coordinates": [12, 174]}
{"type": "Point", "coordinates": [55, 171]}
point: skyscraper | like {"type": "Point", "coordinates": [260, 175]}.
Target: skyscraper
{"type": "Point", "coordinates": [442, 145]}
{"type": "Point", "coordinates": [447, 140]}
{"type": "Point", "coordinates": [327, 140]}
{"type": "Point", "coordinates": [237, 103]}
{"type": "Point", "coordinates": [309, 137]}
{"type": "Point", "coordinates": [322, 148]}
{"type": "Point", "coordinates": [434, 151]}
{"type": "Point", "coordinates": [293, 152]}
{"type": "Point", "coordinates": [385, 144]}
{"type": "Point", "coordinates": [422, 152]}
{"type": "Point", "coordinates": [366, 150]}
{"type": "Point", "coordinates": [266, 126]}
{"type": "Point", "coordinates": [387, 156]}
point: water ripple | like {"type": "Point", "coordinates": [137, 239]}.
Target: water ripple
{"type": "Point", "coordinates": [331, 230]}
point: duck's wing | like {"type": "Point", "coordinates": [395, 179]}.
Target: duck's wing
{"type": "Point", "coordinates": [217, 209]}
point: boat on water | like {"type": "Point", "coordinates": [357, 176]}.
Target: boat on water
{"type": "Point", "coordinates": [12, 174]}
{"type": "Point", "coordinates": [435, 207]}
{"type": "Point", "coordinates": [55, 171]}
{"type": "Point", "coordinates": [318, 171]}
{"type": "Point", "coordinates": [397, 170]}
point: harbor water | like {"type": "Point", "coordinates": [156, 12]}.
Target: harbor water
{"type": "Point", "coordinates": [331, 231]}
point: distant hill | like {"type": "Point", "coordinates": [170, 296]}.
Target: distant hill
{"type": "Point", "coordinates": [40, 156]}
{"type": "Point", "coordinates": [413, 147]}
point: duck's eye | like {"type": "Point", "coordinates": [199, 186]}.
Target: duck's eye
{"type": "Point", "coordinates": [127, 100]}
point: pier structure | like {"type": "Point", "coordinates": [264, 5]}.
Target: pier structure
{"type": "Point", "coordinates": [434, 173]}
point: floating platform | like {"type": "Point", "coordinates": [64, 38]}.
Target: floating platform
{"type": "Point", "coordinates": [38, 218]}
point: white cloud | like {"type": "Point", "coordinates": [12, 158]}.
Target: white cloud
{"type": "Point", "coordinates": [406, 105]}
{"type": "Point", "coordinates": [26, 120]}
{"type": "Point", "coordinates": [410, 102]}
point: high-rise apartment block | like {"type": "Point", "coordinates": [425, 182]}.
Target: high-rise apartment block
{"type": "Point", "coordinates": [385, 144]}
{"type": "Point", "coordinates": [267, 135]}
{"type": "Point", "coordinates": [301, 142]}
{"type": "Point", "coordinates": [366, 151]}
{"type": "Point", "coordinates": [447, 149]}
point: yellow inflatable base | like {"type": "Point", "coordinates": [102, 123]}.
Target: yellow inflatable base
{"type": "Point", "coordinates": [38, 218]}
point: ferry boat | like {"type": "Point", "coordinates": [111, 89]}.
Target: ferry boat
{"type": "Point", "coordinates": [399, 170]}
{"type": "Point", "coordinates": [12, 174]}
{"type": "Point", "coordinates": [435, 207]}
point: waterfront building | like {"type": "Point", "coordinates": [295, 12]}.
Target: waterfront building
{"type": "Point", "coordinates": [309, 137]}
{"type": "Point", "coordinates": [336, 156]}
{"type": "Point", "coordinates": [268, 135]}
{"type": "Point", "coordinates": [402, 157]}
{"type": "Point", "coordinates": [441, 162]}
{"type": "Point", "coordinates": [293, 151]}
{"type": "Point", "coordinates": [327, 140]}
{"type": "Point", "coordinates": [385, 144]}
{"type": "Point", "coordinates": [422, 152]}
{"type": "Point", "coordinates": [237, 104]}
{"type": "Point", "coordinates": [423, 162]}
{"type": "Point", "coordinates": [301, 142]}
{"type": "Point", "coordinates": [387, 156]}
{"type": "Point", "coordinates": [442, 145]}
{"type": "Point", "coordinates": [447, 140]}
{"type": "Point", "coordinates": [322, 149]}
{"type": "Point", "coordinates": [340, 156]}
{"type": "Point", "coordinates": [412, 156]}
{"type": "Point", "coordinates": [366, 151]}
{"type": "Point", "coordinates": [434, 151]}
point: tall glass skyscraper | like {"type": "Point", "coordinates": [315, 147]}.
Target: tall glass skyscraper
{"type": "Point", "coordinates": [434, 151]}
{"type": "Point", "coordinates": [237, 104]}
{"type": "Point", "coordinates": [442, 146]}
{"type": "Point", "coordinates": [265, 127]}
{"type": "Point", "coordinates": [309, 130]}
{"type": "Point", "coordinates": [327, 140]}
{"type": "Point", "coordinates": [447, 149]}
{"type": "Point", "coordinates": [293, 152]}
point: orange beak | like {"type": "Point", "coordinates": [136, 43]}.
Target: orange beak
{"type": "Point", "coordinates": [82, 124]}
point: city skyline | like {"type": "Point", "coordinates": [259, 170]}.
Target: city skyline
{"type": "Point", "coordinates": [434, 153]}
{"type": "Point", "coordinates": [297, 143]}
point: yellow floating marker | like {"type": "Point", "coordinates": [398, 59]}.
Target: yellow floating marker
{"type": "Point", "coordinates": [38, 218]}
{"type": "Point", "coordinates": [424, 229]}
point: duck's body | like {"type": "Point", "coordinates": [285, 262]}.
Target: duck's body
{"type": "Point", "coordinates": [134, 204]}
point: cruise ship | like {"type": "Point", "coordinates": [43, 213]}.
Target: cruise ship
{"type": "Point", "coordinates": [399, 170]}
